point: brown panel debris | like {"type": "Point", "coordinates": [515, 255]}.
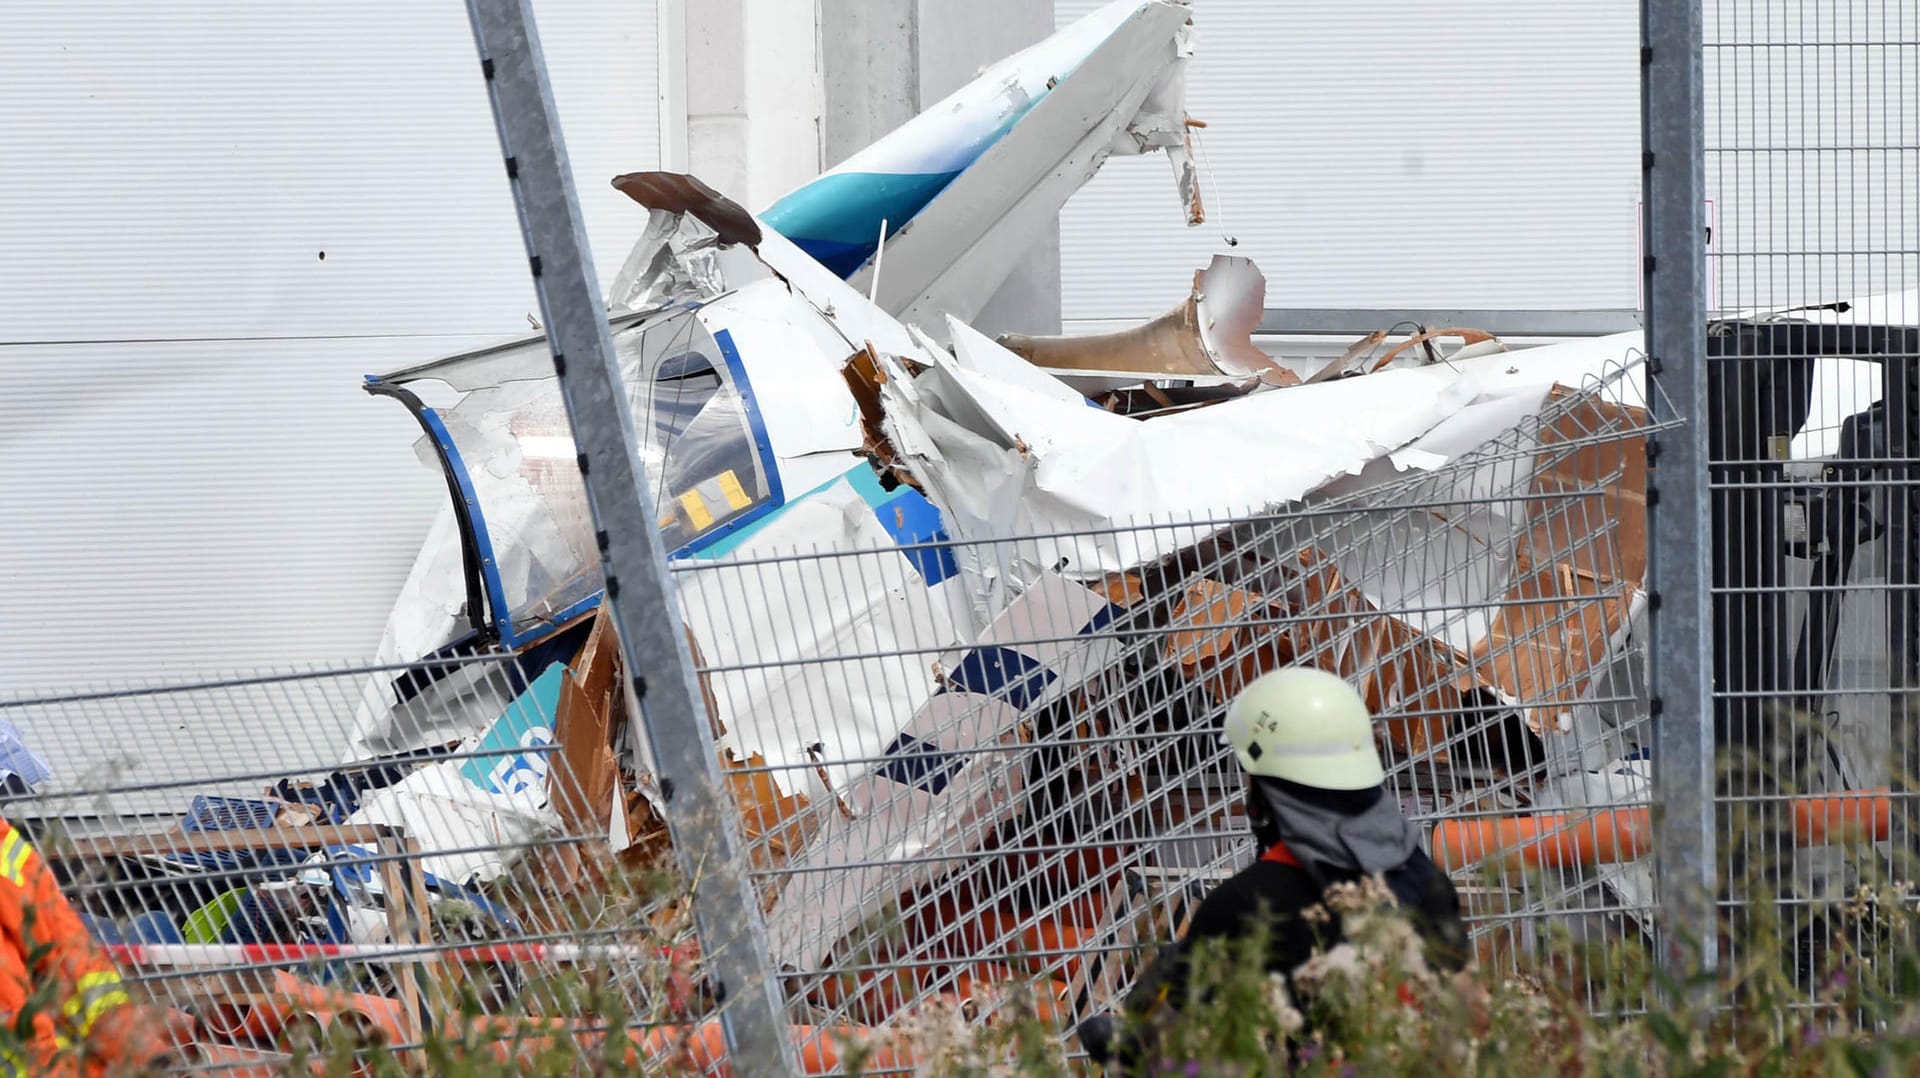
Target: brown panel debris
{"type": "Point", "coordinates": [676, 192]}
{"type": "Point", "coordinates": [1208, 335]}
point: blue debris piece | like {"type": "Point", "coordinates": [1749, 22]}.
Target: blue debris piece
{"type": "Point", "coordinates": [229, 814]}
{"type": "Point", "coordinates": [19, 760]}
{"type": "Point", "coordinates": [913, 762]}
{"type": "Point", "coordinates": [208, 813]}
{"type": "Point", "coordinates": [338, 797]}
{"type": "Point", "coordinates": [910, 519]}
{"type": "Point", "coordinates": [102, 929]}
{"type": "Point", "coordinates": [1102, 621]}
{"type": "Point", "coordinates": [1004, 674]}
{"type": "Point", "coordinates": [153, 928]}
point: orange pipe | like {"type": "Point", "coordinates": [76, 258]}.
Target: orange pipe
{"type": "Point", "coordinates": [1611, 836]}
{"type": "Point", "coordinates": [1861, 814]}
{"type": "Point", "coordinates": [1544, 841]}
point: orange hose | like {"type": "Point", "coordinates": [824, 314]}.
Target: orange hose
{"type": "Point", "coordinates": [1611, 836]}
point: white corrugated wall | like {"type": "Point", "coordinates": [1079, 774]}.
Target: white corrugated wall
{"type": "Point", "coordinates": [1398, 153]}
{"type": "Point", "coordinates": [216, 218]}
{"type": "Point", "coordinates": [1487, 155]}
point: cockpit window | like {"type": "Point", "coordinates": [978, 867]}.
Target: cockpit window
{"type": "Point", "coordinates": [509, 427]}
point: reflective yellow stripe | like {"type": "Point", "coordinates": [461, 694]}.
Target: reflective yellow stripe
{"type": "Point", "coordinates": [88, 982]}
{"type": "Point", "coordinates": [13, 858]}
{"type": "Point", "coordinates": [96, 993]}
{"type": "Point", "coordinates": [106, 1002]}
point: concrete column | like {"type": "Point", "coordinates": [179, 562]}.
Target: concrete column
{"type": "Point", "coordinates": [883, 61]}
{"type": "Point", "coordinates": [717, 94]}
{"type": "Point", "coordinates": [871, 71]}
{"type": "Point", "coordinates": [753, 96]}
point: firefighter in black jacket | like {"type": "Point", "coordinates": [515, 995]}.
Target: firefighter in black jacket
{"type": "Point", "coordinates": [1315, 802]}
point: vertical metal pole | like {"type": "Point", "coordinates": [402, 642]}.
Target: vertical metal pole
{"type": "Point", "coordinates": [639, 591]}
{"type": "Point", "coordinates": [1673, 162]}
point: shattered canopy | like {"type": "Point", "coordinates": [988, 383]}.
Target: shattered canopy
{"type": "Point", "coordinates": [506, 443]}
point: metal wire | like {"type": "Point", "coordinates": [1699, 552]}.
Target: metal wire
{"type": "Point", "coordinates": [272, 883]}
{"type": "Point", "coordinates": [955, 782]}
{"type": "Point", "coordinates": [1813, 117]}
{"type": "Point", "coordinates": [932, 811]}
{"type": "Point", "coordinates": [1075, 789]}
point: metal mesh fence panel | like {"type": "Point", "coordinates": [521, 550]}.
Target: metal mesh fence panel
{"type": "Point", "coordinates": [1812, 125]}
{"type": "Point", "coordinates": [322, 876]}
{"type": "Point", "coordinates": [981, 787]}
{"type": "Point", "coordinates": [977, 767]}
{"type": "Point", "coordinates": [1030, 809]}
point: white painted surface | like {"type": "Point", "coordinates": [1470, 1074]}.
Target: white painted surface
{"type": "Point", "coordinates": [783, 83]}
{"type": "Point", "coordinates": [754, 97]}
{"type": "Point", "coordinates": [1389, 154]}
{"type": "Point", "coordinates": [1487, 155]}
{"type": "Point", "coordinates": [205, 487]}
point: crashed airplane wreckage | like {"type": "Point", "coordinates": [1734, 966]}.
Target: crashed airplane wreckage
{"type": "Point", "coordinates": [941, 597]}
{"type": "Point", "coordinates": [967, 611]}
{"type": "Point", "coordinates": [953, 595]}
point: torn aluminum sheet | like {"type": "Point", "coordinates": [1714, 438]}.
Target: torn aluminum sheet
{"type": "Point", "coordinates": [973, 351]}
{"type": "Point", "coordinates": [757, 622]}
{"type": "Point", "coordinates": [1419, 349]}
{"type": "Point", "coordinates": [947, 777]}
{"type": "Point", "coordinates": [679, 258]}
{"type": "Point", "coordinates": [467, 835]}
{"type": "Point", "coordinates": [946, 780]}
{"type": "Point", "coordinates": [959, 186]}
{"type": "Point", "coordinates": [1206, 340]}
{"type": "Point", "coordinates": [1001, 459]}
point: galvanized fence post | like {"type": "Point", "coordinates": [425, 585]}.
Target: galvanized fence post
{"type": "Point", "coordinates": [640, 595]}
{"type": "Point", "coordinates": [1679, 566]}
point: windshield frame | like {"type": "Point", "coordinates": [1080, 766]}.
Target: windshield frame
{"type": "Point", "coordinates": [489, 610]}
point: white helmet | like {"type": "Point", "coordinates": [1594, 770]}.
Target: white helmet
{"type": "Point", "coordinates": [1306, 726]}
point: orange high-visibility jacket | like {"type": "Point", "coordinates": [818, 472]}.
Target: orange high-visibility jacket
{"type": "Point", "coordinates": [51, 968]}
